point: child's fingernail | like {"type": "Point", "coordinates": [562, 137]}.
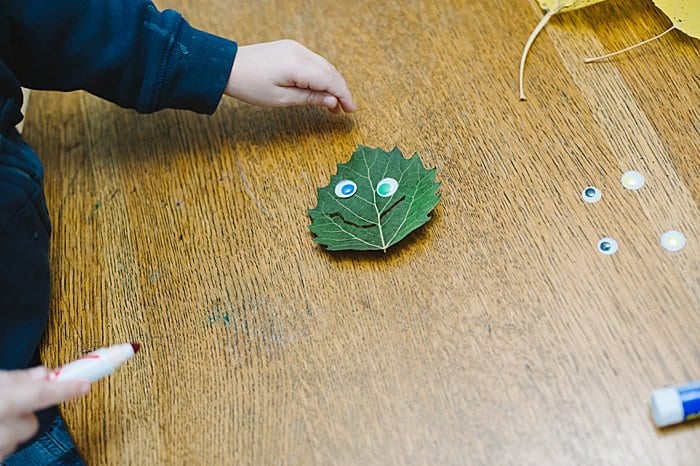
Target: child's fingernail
{"type": "Point", "coordinates": [329, 102]}
{"type": "Point", "coordinates": [84, 388]}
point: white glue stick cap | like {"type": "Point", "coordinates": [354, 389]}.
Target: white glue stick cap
{"type": "Point", "coordinates": [666, 407]}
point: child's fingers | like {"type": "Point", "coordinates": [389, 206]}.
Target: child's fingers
{"type": "Point", "coordinates": [298, 96]}
{"type": "Point", "coordinates": [293, 95]}
{"type": "Point", "coordinates": [331, 103]}
{"type": "Point", "coordinates": [320, 75]}
{"type": "Point", "coordinates": [337, 86]}
{"type": "Point", "coordinates": [11, 378]}
{"type": "Point", "coordinates": [326, 81]}
{"type": "Point", "coordinates": [25, 398]}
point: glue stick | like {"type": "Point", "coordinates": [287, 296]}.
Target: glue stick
{"type": "Point", "coordinates": [672, 405]}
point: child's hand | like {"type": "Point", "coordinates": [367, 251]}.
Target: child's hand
{"type": "Point", "coordinates": [22, 393]}
{"type": "Point", "coordinates": [285, 73]}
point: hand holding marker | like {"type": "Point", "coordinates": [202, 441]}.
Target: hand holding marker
{"type": "Point", "coordinates": [96, 364]}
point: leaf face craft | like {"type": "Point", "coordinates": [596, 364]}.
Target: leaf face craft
{"type": "Point", "coordinates": [374, 201]}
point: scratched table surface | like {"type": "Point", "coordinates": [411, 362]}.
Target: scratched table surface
{"type": "Point", "coordinates": [496, 334]}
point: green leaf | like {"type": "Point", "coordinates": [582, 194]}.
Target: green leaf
{"type": "Point", "coordinates": [373, 212]}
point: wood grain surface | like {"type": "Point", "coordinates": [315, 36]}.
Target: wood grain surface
{"type": "Point", "coordinates": [494, 335]}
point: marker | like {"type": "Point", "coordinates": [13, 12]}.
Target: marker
{"type": "Point", "coordinates": [672, 405]}
{"type": "Point", "coordinates": [96, 364]}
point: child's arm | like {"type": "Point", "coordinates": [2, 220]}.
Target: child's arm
{"type": "Point", "coordinates": [23, 392]}
{"type": "Point", "coordinates": [128, 52]}
{"type": "Point", "coordinates": [285, 73]}
{"type": "Point", "coordinates": [122, 50]}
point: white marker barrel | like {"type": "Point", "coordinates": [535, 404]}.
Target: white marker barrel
{"type": "Point", "coordinates": [95, 365]}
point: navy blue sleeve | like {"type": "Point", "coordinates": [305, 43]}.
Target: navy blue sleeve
{"type": "Point", "coordinates": [125, 51]}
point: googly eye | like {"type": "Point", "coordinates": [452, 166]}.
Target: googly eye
{"type": "Point", "coordinates": [673, 240]}
{"type": "Point", "coordinates": [345, 189]}
{"type": "Point", "coordinates": [387, 187]}
{"type": "Point", "coordinates": [591, 194]}
{"type": "Point", "coordinates": [632, 180]}
{"type": "Point", "coordinates": [607, 246]}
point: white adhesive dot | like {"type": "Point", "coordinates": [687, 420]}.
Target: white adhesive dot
{"type": "Point", "coordinates": [632, 180]}
{"type": "Point", "coordinates": [591, 194]}
{"type": "Point", "coordinates": [607, 246]}
{"type": "Point", "coordinates": [673, 240]}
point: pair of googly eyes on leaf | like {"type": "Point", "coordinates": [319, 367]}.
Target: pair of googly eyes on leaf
{"type": "Point", "coordinates": [385, 188]}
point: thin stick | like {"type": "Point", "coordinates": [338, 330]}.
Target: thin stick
{"type": "Point", "coordinates": [612, 54]}
{"type": "Point", "coordinates": [543, 22]}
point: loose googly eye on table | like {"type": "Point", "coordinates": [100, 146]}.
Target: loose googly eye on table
{"type": "Point", "coordinates": [591, 194]}
{"type": "Point", "coordinates": [672, 241]}
{"type": "Point", "coordinates": [607, 246]}
{"type": "Point", "coordinates": [632, 180]}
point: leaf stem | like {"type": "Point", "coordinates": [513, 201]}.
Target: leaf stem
{"type": "Point", "coordinates": [543, 22]}
{"type": "Point", "coordinates": [627, 49]}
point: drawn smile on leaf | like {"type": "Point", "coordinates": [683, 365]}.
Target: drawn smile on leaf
{"type": "Point", "coordinates": [374, 201]}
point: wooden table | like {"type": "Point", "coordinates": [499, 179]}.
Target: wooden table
{"type": "Point", "coordinates": [496, 334]}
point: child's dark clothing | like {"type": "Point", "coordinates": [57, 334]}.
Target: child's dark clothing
{"type": "Point", "coordinates": [122, 50]}
{"type": "Point", "coordinates": [55, 447]}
